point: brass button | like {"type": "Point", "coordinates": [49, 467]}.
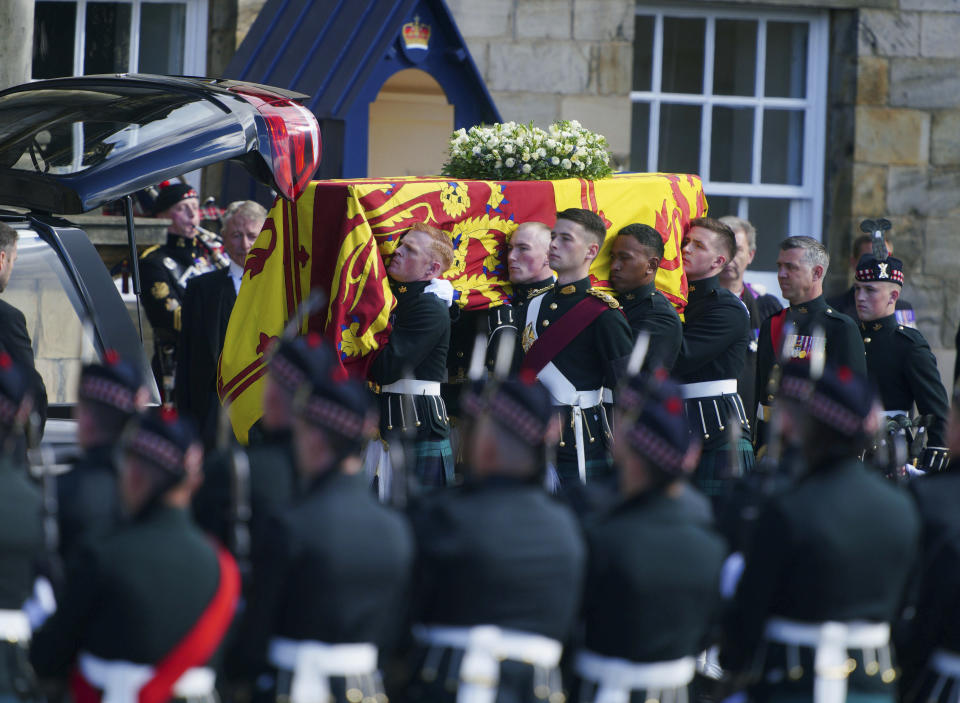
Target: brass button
{"type": "Point", "coordinates": [460, 354]}
{"type": "Point", "coordinates": [866, 340]}
{"type": "Point", "coordinates": [553, 306]}
{"type": "Point", "coordinates": [545, 323]}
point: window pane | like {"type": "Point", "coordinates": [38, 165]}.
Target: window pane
{"type": "Point", "coordinates": [771, 218]}
{"type": "Point", "coordinates": [107, 38]}
{"type": "Point", "coordinates": [161, 37]}
{"type": "Point", "coordinates": [679, 139]}
{"type": "Point", "coordinates": [683, 55]}
{"type": "Point", "coordinates": [720, 205]}
{"type": "Point", "coordinates": [731, 144]}
{"type": "Point", "coordinates": [640, 137]}
{"type": "Point", "coordinates": [782, 147]}
{"type": "Point", "coordinates": [53, 33]}
{"type": "Point", "coordinates": [786, 75]}
{"type": "Point", "coordinates": [735, 57]}
{"type": "Point", "coordinates": [643, 52]}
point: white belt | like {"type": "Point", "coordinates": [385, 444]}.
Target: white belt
{"type": "Point", "coordinates": [121, 681]}
{"type": "Point", "coordinates": [831, 640]}
{"type": "Point", "coordinates": [616, 678]}
{"type": "Point", "coordinates": [313, 663]}
{"type": "Point", "coordinates": [410, 386]}
{"type": "Point", "coordinates": [709, 389]}
{"type": "Point", "coordinates": [483, 647]}
{"type": "Point", "coordinates": [14, 626]}
{"type": "Point", "coordinates": [945, 663]}
{"type": "Point", "coordinates": [580, 399]}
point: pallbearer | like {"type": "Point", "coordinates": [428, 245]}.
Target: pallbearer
{"type": "Point", "coordinates": [654, 571]}
{"type": "Point", "coordinates": [899, 360]}
{"type": "Point", "coordinates": [500, 563]}
{"type": "Point", "coordinates": [330, 593]}
{"type": "Point", "coordinates": [830, 560]}
{"type": "Point", "coordinates": [145, 610]}
{"type": "Point", "coordinates": [21, 537]}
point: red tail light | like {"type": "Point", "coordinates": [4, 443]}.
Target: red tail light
{"type": "Point", "coordinates": [294, 139]}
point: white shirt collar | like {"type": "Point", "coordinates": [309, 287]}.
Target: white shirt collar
{"type": "Point", "coordinates": [236, 274]}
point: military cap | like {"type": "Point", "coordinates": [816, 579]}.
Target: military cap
{"type": "Point", "coordinates": [519, 405]}
{"type": "Point", "coordinates": [171, 195]}
{"type": "Point", "coordinates": [329, 398]}
{"type": "Point", "coordinates": [14, 387]}
{"type": "Point", "coordinates": [160, 437]}
{"type": "Point", "coordinates": [114, 383]}
{"type": "Point", "coordinates": [795, 381]}
{"type": "Point", "coordinates": [843, 400]}
{"type": "Point", "coordinates": [655, 425]}
{"type": "Point", "coordinates": [870, 269]}
{"type": "Point", "coordinates": [289, 364]}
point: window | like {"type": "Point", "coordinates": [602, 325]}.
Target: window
{"type": "Point", "coordinates": [83, 37]}
{"type": "Point", "coordinates": [738, 97]}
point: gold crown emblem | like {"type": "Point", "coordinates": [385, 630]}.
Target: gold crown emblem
{"type": "Point", "coordinates": [416, 35]}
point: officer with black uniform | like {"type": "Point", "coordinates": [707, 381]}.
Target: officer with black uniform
{"type": "Point", "coordinates": [830, 562]}
{"type": "Point", "coordinates": [21, 537]}
{"type": "Point", "coordinates": [801, 267]}
{"type": "Point", "coordinates": [413, 363]}
{"type": "Point", "coordinates": [146, 608]}
{"type": "Point", "coordinates": [88, 499]}
{"type": "Point", "coordinates": [500, 564]}
{"type": "Point", "coordinates": [165, 269]}
{"type": "Point", "coordinates": [653, 581]}
{"type": "Point", "coordinates": [576, 340]}
{"type": "Point", "coordinates": [716, 332]}
{"type": "Point", "coordinates": [929, 644]}
{"type": "Point", "coordinates": [634, 261]}
{"type": "Point", "coordinates": [899, 360]}
{"type": "Point", "coordinates": [331, 592]}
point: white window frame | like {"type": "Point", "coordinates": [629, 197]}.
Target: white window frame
{"type": "Point", "coordinates": [806, 209]}
{"type": "Point", "coordinates": [194, 39]}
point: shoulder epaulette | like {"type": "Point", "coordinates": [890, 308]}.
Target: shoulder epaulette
{"type": "Point", "coordinates": [605, 297]}
{"type": "Point", "coordinates": [149, 250]}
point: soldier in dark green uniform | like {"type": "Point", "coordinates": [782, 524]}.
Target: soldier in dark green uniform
{"type": "Point", "coordinates": [500, 563]}
{"type": "Point", "coordinates": [410, 368]}
{"type": "Point", "coordinates": [576, 339]}
{"type": "Point", "coordinates": [331, 592]}
{"type": "Point", "coordinates": [165, 269]}
{"type": "Point", "coordinates": [801, 267]}
{"type": "Point", "coordinates": [830, 562]}
{"type": "Point", "coordinates": [899, 360]}
{"type": "Point", "coordinates": [634, 261]}
{"type": "Point", "coordinates": [146, 608]}
{"type": "Point", "coordinates": [928, 645]}
{"type": "Point", "coordinates": [21, 538]}
{"type": "Point", "coordinates": [653, 582]}
{"type": "Point", "coordinates": [88, 501]}
{"type": "Point", "coordinates": [716, 332]}
{"type": "Point", "coordinates": [528, 264]}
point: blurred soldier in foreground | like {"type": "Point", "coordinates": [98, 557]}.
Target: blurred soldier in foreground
{"type": "Point", "coordinates": [21, 538]}
{"type": "Point", "coordinates": [759, 303]}
{"type": "Point", "coordinates": [575, 339]}
{"type": "Point", "coordinates": [716, 332]}
{"type": "Point", "coordinates": [330, 593]}
{"type": "Point", "coordinates": [410, 368]}
{"type": "Point", "coordinates": [899, 359]}
{"type": "Point", "coordinates": [653, 583]}
{"type": "Point", "coordinates": [500, 564]}
{"type": "Point", "coordinates": [634, 261]}
{"type": "Point", "coordinates": [929, 645]}
{"type": "Point", "coordinates": [165, 269]}
{"type": "Point", "coordinates": [801, 266]}
{"type": "Point", "coordinates": [830, 561]}
{"type": "Point", "coordinates": [146, 608]}
{"type": "Point", "coordinates": [88, 497]}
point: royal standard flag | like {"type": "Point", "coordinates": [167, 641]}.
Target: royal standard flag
{"type": "Point", "coordinates": [336, 236]}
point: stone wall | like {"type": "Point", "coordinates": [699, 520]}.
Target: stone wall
{"type": "Point", "coordinates": [545, 60]}
{"type": "Point", "coordinates": [907, 151]}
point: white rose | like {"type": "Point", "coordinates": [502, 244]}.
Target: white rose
{"type": "Point", "coordinates": [551, 144]}
{"type": "Point", "coordinates": [510, 162]}
{"type": "Point", "coordinates": [508, 148]}
{"type": "Point", "coordinates": [566, 163]}
{"type": "Point", "coordinates": [477, 150]}
{"type": "Point", "coordinates": [569, 148]}
{"type": "Point", "coordinates": [526, 156]}
{"type": "Point", "coordinates": [541, 152]}
{"type": "Point", "coordinates": [555, 160]}
{"type": "Point", "coordinates": [526, 168]}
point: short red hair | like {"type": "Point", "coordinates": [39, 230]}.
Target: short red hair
{"type": "Point", "coordinates": [440, 245]}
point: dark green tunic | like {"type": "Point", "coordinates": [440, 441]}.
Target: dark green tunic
{"type": "Point", "coordinates": [648, 309]}
{"type": "Point", "coordinates": [88, 502]}
{"type": "Point", "coordinates": [839, 545]}
{"type": "Point", "coordinates": [132, 596]}
{"type": "Point", "coordinates": [903, 368]}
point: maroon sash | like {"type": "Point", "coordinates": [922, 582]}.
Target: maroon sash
{"type": "Point", "coordinates": [195, 649]}
{"type": "Point", "coordinates": [559, 334]}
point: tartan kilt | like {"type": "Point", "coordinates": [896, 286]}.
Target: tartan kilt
{"type": "Point", "coordinates": [715, 474]}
